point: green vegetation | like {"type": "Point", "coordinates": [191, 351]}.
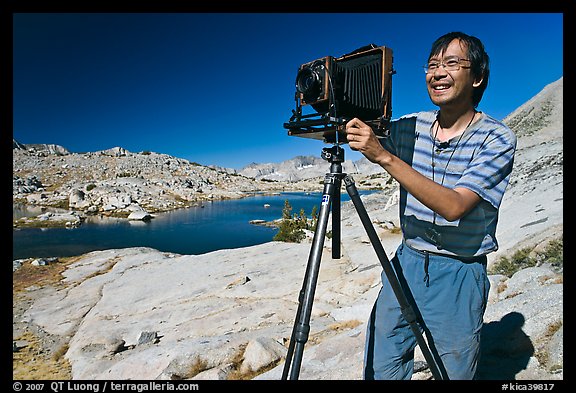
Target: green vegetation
{"type": "Point", "coordinates": [542, 354]}
{"type": "Point", "coordinates": [553, 254]}
{"type": "Point", "coordinates": [292, 226]}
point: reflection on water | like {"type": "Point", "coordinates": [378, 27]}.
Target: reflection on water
{"type": "Point", "coordinates": [195, 230]}
{"type": "Point", "coordinates": [19, 210]}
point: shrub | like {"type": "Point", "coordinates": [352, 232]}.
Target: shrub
{"type": "Point", "coordinates": [291, 228]}
{"type": "Point", "coordinates": [553, 254]}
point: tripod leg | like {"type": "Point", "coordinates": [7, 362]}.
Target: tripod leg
{"type": "Point", "coordinates": [291, 345]}
{"type": "Point", "coordinates": [336, 227]}
{"type": "Point", "coordinates": [405, 306]}
{"type": "Point", "coordinates": [301, 328]}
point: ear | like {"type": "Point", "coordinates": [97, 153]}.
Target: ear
{"type": "Point", "coordinates": [478, 81]}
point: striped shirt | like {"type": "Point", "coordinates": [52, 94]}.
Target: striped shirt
{"type": "Point", "coordinates": [482, 162]}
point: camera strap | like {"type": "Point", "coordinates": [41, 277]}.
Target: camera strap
{"type": "Point", "coordinates": [437, 237]}
{"type": "Point", "coordinates": [426, 264]}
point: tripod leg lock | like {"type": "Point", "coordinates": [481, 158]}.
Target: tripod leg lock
{"type": "Point", "coordinates": [348, 180]}
{"type": "Point", "coordinates": [409, 314]}
{"type": "Point", "coordinates": [301, 333]}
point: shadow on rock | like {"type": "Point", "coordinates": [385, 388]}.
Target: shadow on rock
{"type": "Point", "coordinates": [505, 348]}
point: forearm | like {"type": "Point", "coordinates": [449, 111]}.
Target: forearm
{"type": "Point", "coordinates": [449, 203]}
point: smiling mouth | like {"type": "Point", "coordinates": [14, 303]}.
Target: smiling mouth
{"type": "Point", "coordinates": [440, 87]}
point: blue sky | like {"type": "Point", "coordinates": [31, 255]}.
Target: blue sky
{"type": "Point", "coordinates": [216, 88]}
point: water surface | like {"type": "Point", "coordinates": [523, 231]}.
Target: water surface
{"type": "Point", "coordinates": [213, 226]}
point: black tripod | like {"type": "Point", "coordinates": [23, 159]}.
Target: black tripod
{"type": "Point", "coordinates": [331, 201]}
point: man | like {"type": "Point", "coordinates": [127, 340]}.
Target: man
{"type": "Point", "coordinates": [453, 165]}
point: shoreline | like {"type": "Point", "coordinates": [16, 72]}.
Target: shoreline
{"type": "Point", "coordinates": [61, 216]}
{"type": "Point", "coordinates": [154, 231]}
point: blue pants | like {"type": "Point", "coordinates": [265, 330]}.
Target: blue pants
{"type": "Point", "coordinates": [449, 296]}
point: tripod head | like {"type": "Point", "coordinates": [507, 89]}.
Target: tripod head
{"type": "Point", "coordinates": [334, 154]}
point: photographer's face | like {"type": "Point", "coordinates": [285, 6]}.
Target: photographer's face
{"type": "Point", "coordinates": [451, 88]}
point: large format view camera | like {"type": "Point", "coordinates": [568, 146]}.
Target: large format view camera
{"type": "Point", "coordinates": [358, 84]}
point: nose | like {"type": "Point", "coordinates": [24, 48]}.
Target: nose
{"type": "Point", "coordinates": [440, 71]}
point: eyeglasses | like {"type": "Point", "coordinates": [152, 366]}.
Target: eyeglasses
{"type": "Point", "coordinates": [450, 64]}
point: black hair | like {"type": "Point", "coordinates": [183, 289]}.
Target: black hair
{"type": "Point", "coordinates": [480, 62]}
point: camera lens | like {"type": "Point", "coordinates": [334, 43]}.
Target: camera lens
{"type": "Point", "coordinates": [307, 80]}
{"type": "Point", "coordinates": [308, 83]}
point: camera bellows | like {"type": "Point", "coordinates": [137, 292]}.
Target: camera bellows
{"type": "Point", "coordinates": [362, 88]}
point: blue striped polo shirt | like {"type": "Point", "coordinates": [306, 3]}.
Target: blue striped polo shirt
{"type": "Point", "coordinates": [482, 162]}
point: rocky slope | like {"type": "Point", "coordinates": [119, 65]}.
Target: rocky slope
{"type": "Point", "coordinates": [120, 183]}
{"type": "Point", "coordinates": [139, 313]}
{"type": "Point", "coordinates": [305, 167]}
